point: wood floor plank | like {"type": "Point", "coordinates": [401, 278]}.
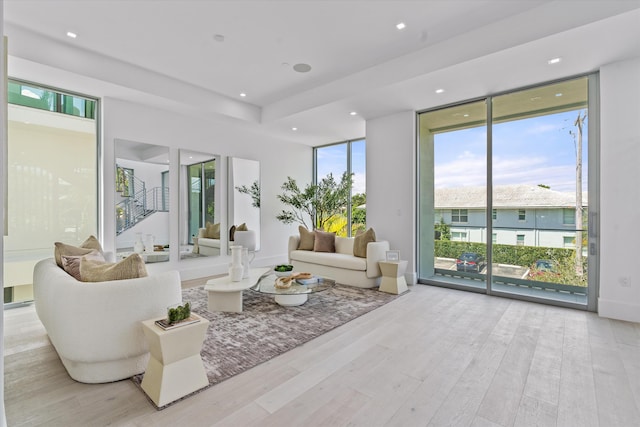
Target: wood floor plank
{"type": "Point", "coordinates": [577, 404]}
{"type": "Point", "coordinates": [503, 397]}
{"type": "Point", "coordinates": [434, 356]}
{"type": "Point", "coordinates": [616, 403]}
{"type": "Point", "coordinates": [535, 412]}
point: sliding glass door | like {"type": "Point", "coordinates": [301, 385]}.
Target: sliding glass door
{"type": "Point", "coordinates": [504, 186]}
{"type": "Point", "coordinates": [453, 196]}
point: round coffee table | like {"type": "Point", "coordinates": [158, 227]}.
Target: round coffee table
{"type": "Point", "coordinates": [296, 294]}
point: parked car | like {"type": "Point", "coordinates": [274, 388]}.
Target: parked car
{"type": "Point", "coordinates": [543, 267]}
{"type": "Point", "coordinates": [470, 261]}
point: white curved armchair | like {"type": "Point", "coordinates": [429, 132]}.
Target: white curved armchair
{"type": "Point", "coordinates": [96, 327]}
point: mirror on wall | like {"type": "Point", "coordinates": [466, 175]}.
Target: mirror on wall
{"type": "Point", "coordinates": [201, 227]}
{"type": "Point", "coordinates": [142, 200]}
{"type": "Point", "coordinates": [244, 202]}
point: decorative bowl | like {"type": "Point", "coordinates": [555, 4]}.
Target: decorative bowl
{"type": "Point", "coordinates": [282, 273]}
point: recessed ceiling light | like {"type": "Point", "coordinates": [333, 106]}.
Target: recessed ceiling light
{"type": "Point", "coordinates": [302, 68]}
{"type": "Point", "coordinates": [294, 129]}
{"type": "Point", "coordinates": [558, 94]}
{"type": "Point", "coordinates": [465, 115]}
{"type": "Point", "coordinates": [353, 113]}
{"type": "Point", "coordinates": [72, 35]}
{"type": "Point", "coordinates": [554, 61]}
{"type": "Point", "coordinates": [243, 94]}
{"type": "Point", "coordinates": [401, 26]}
{"type": "Point", "coordinates": [439, 90]}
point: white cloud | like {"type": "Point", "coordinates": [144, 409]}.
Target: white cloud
{"type": "Point", "coordinates": [469, 170]}
{"type": "Point", "coordinates": [359, 183]}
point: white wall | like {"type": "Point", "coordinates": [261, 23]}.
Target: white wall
{"type": "Point", "coordinates": [619, 194]}
{"type": "Point", "coordinates": [124, 120]}
{"type": "Point", "coordinates": [391, 183]}
{"type": "Point", "coordinates": [3, 145]}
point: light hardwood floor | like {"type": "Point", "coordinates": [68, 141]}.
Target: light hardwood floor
{"type": "Point", "coordinates": [433, 357]}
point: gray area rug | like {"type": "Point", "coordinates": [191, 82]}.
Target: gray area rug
{"type": "Point", "coordinates": [236, 342]}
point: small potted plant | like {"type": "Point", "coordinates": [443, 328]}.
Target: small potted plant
{"type": "Point", "coordinates": [178, 312]}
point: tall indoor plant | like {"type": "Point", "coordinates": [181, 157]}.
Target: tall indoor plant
{"type": "Point", "coordinates": [321, 202]}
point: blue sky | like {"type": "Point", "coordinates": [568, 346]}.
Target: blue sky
{"type": "Point", "coordinates": [533, 151]}
{"type": "Point", "coordinates": [333, 159]}
{"type": "Point", "coordinates": [539, 150]}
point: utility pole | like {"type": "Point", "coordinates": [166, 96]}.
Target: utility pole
{"type": "Point", "coordinates": [579, 123]}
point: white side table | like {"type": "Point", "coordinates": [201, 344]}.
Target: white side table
{"type": "Point", "coordinates": [175, 367]}
{"type": "Point", "coordinates": [226, 295]}
{"type": "Point", "coordinates": [393, 281]}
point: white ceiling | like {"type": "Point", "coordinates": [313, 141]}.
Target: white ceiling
{"type": "Point", "coordinates": [164, 53]}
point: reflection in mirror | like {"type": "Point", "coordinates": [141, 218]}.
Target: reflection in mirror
{"type": "Point", "coordinates": [200, 219]}
{"type": "Point", "coordinates": [244, 202]}
{"type": "Point", "coordinates": [142, 200]}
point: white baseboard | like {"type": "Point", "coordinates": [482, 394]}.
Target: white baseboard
{"type": "Point", "coordinates": [411, 278]}
{"type": "Point", "coordinates": [618, 310]}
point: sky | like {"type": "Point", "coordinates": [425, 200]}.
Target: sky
{"type": "Point", "coordinates": [333, 159]}
{"type": "Point", "coordinates": [538, 150]}
{"type": "Point", "coordinates": [533, 151]}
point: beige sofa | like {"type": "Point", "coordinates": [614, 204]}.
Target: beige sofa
{"type": "Point", "coordinates": [341, 266]}
{"type": "Point", "coordinates": [96, 327]}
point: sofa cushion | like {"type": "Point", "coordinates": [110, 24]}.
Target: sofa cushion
{"type": "Point", "coordinates": [212, 231]}
{"type": "Point", "coordinates": [71, 263]}
{"type": "Point", "coordinates": [242, 227]}
{"type": "Point", "coordinates": [337, 260]}
{"type": "Point", "coordinates": [85, 247]}
{"type": "Point", "coordinates": [131, 267]}
{"type": "Point", "coordinates": [324, 241]}
{"type": "Point", "coordinates": [361, 241]}
{"type": "Point", "coordinates": [307, 239]}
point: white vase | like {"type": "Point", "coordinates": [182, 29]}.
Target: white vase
{"type": "Point", "coordinates": [138, 246]}
{"type": "Point", "coordinates": [245, 263]}
{"type": "Point", "coordinates": [235, 268]}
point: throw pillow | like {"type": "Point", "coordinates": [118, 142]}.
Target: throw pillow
{"type": "Point", "coordinates": [85, 247]}
{"type": "Point", "coordinates": [361, 241]}
{"type": "Point", "coordinates": [212, 230]}
{"type": "Point", "coordinates": [307, 239]}
{"type": "Point", "coordinates": [324, 241]}
{"type": "Point", "coordinates": [71, 264]}
{"type": "Point", "coordinates": [242, 227]}
{"type": "Point", "coordinates": [131, 267]}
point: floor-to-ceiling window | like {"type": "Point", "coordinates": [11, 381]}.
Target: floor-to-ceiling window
{"type": "Point", "coordinates": [334, 162]}
{"type": "Point", "coordinates": [52, 179]}
{"type": "Point", "coordinates": [507, 186]}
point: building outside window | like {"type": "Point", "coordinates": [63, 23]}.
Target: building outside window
{"type": "Point", "coordinates": [522, 215]}
{"type": "Point", "coordinates": [459, 215]}
{"type": "Point", "coordinates": [568, 217]}
{"type": "Point", "coordinates": [459, 236]}
{"type": "Point", "coordinates": [520, 239]}
{"type": "Point", "coordinates": [52, 179]}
